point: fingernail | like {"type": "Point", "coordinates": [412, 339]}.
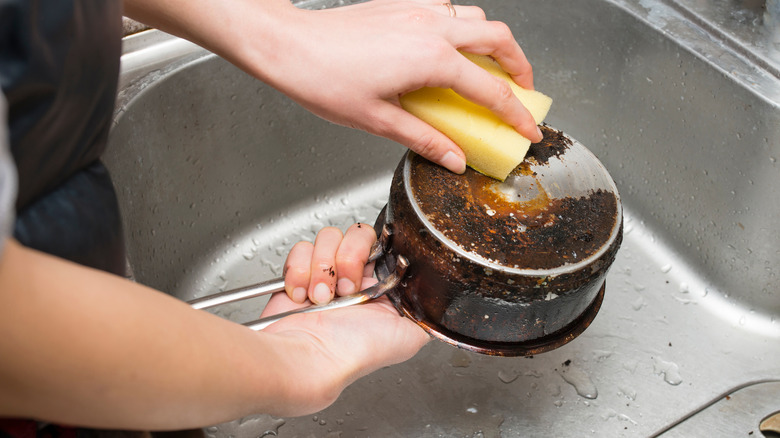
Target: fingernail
{"type": "Point", "coordinates": [299, 294]}
{"type": "Point", "coordinates": [539, 131]}
{"type": "Point", "coordinates": [346, 286]}
{"type": "Point", "coordinates": [321, 293]}
{"type": "Point", "coordinates": [453, 162]}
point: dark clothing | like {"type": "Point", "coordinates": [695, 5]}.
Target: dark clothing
{"type": "Point", "coordinates": [59, 63]}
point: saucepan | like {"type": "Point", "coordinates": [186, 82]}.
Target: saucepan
{"type": "Point", "coordinates": [501, 268]}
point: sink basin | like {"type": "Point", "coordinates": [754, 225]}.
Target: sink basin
{"type": "Point", "coordinates": [218, 175]}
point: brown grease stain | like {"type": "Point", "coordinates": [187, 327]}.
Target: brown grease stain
{"type": "Point", "coordinates": [536, 233]}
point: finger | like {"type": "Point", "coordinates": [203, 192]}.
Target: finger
{"type": "Point", "coordinates": [395, 123]}
{"type": "Point", "coordinates": [297, 271]}
{"type": "Point", "coordinates": [477, 85]}
{"type": "Point", "coordinates": [323, 265]}
{"type": "Point", "coordinates": [510, 56]}
{"type": "Point", "coordinates": [493, 38]}
{"type": "Point", "coordinates": [517, 66]}
{"type": "Point", "coordinates": [368, 272]}
{"type": "Point", "coordinates": [352, 257]}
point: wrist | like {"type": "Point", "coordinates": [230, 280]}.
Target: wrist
{"type": "Point", "coordinates": [309, 377]}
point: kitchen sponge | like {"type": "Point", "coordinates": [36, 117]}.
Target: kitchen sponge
{"type": "Point", "coordinates": [492, 146]}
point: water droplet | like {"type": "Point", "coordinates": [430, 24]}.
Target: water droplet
{"type": "Point", "coordinates": [580, 380]}
{"type": "Point", "coordinates": [666, 268]}
{"type": "Point", "coordinates": [684, 288]}
{"type": "Point", "coordinates": [638, 304]}
{"type": "Point", "coordinates": [670, 371]}
{"type": "Point", "coordinates": [533, 373]}
{"type": "Point", "coordinates": [627, 392]}
{"type": "Point", "coordinates": [472, 410]}
{"type": "Point", "coordinates": [507, 376]}
{"type": "Point", "coordinates": [262, 425]}
{"type": "Point", "coordinates": [601, 355]}
{"type": "Point", "coordinates": [460, 359]}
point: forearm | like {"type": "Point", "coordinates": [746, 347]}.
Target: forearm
{"type": "Point", "coordinates": [229, 29]}
{"type": "Point", "coordinates": [349, 65]}
{"type": "Point", "coordinates": [83, 347]}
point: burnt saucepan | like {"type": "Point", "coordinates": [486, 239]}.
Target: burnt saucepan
{"type": "Point", "coordinates": [502, 268]}
{"type": "Point", "coordinates": [505, 268]}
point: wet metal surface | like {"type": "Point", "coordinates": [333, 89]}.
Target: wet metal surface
{"type": "Point", "coordinates": [218, 175]}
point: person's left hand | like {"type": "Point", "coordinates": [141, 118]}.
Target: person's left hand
{"type": "Point", "coordinates": [342, 344]}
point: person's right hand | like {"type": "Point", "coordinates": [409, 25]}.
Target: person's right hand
{"type": "Point", "coordinates": [350, 64]}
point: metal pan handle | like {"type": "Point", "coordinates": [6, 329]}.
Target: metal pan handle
{"type": "Point", "coordinates": [370, 293]}
{"type": "Point", "coordinates": [277, 285]}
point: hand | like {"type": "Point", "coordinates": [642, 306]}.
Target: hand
{"type": "Point", "coordinates": [334, 264]}
{"type": "Point", "coordinates": [341, 344]}
{"type": "Point", "coordinates": [337, 347]}
{"type": "Point", "coordinates": [350, 64]}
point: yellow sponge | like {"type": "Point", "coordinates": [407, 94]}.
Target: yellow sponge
{"type": "Point", "coordinates": [491, 146]}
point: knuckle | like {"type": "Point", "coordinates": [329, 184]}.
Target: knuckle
{"type": "Point", "coordinates": [424, 145]}
{"type": "Point", "coordinates": [502, 31]}
{"type": "Point", "coordinates": [421, 16]}
{"type": "Point", "coordinates": [325, 270]}
{"type": "Point", "coordinates": [504, 98]}
{"type": "Point", "coordinates": [378, 125]}
{"type": "Point", "coordinates": [350, 263]}
{"type": "Point", "coordinates": [504, 92]}
{"type": "Point", "coordinates": [476, 12]}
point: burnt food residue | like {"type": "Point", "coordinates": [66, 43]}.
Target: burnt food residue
{"type": "Point", "coordinates": [554, 144]}
{"type": "Point", "coordinates": [538, 233]}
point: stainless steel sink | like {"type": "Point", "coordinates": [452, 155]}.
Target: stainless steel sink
{"type": "Point", "coordinates": [218, 175]}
